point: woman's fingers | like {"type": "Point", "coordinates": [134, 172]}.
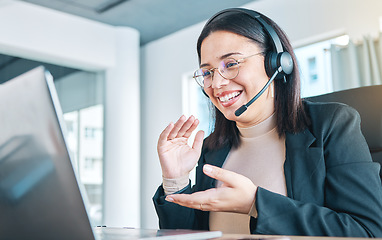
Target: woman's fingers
{"type": "Point", "coordinates": [229, 178]}
{"type": "Point", "coordinates": [188, 133]}
{"type": "Point", "coordinates": [237, 194]}
{"type": "Point", "coordinates": [164, 135]}
{"type": "Point", "coordinates": [182, 128]}
{"type": "Point", "coordinates": [198, 141]}
{"type": "Point", "coordinates": [186, 126]}
{"type": "Point", "coordinates": [177, 126]}
{"type": "Point", "coordinates": [198, 200]}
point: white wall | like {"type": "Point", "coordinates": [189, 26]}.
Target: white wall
{"type": "Point", "coordinates": [166, 60]}
{"type": "Point", "coordinates": [41, 34]}
{"type": "Point", "coordinates": [162, 66]}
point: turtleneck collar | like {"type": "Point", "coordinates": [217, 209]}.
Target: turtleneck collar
{"type": "Point", "coordinates": [259, 129]}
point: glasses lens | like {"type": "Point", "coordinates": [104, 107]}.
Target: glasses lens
{"type": "Point", "coordinates": [229, 68]}
{"type": "Point", "coordinates": [203, 77]}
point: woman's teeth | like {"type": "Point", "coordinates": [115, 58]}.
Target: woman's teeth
{"type": "Point", "coordinates": [228, 97]}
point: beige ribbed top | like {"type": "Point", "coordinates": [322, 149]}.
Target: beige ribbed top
{"type": "Point", "coordinates": [260, 157]}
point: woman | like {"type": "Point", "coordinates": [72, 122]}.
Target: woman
{"type": "Point", "coordinates": [283, 166]}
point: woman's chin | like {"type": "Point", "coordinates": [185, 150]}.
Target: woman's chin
{"type": "Point", "coordinates": [230, 115]}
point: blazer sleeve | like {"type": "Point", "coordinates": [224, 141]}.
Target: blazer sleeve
{"type": "Point", "coordinates": [351, 193]}
{"type": "Point", "coordinates": [171, 215]}
{"type": "Point", "coordinates": [174, 216]}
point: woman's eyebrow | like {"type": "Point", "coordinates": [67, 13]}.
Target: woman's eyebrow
{"type": "Point", "coordinates": [229, 55]}
{"type": "Point", "coordinates": [222, 57]}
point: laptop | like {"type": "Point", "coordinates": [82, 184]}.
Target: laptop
{"type": "Point", "coordinates": [40, 197]}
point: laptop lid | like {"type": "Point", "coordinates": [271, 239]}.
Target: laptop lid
{"type": "Point", "coordinates": [40, 197]}
{"type": "Point", "coordinates": [39, 193]}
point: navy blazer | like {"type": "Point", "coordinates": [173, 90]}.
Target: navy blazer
{"type": "Point", "coordinates": [333, 187]}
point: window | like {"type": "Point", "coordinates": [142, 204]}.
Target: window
{"type": "Point", "coordinates": [312, 65]}
{"type": "Point", "coordinates": [315, 66]}
{"type": "Point", "coordinates": [196, 103]}
{"type": "Point", "coordinates": [85, 143]}
{"type": "Point", "coordinates": [81, 98]}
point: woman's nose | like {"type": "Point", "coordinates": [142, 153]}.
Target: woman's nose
{"type": "Point", "coordinates": [218, 80]}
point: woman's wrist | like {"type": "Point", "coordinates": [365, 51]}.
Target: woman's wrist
{"type": "Point", "coordinates": [253, 210]}
{"type": "Point", "coordinates": [172, 185]}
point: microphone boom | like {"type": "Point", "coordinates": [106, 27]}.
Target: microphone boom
{"type": "Point", "coordinates": [244, 108]}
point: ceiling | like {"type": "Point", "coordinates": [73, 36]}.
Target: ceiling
{"type": "Point", "coordinates": [153, 19]}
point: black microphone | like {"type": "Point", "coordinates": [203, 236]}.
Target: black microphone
{"type": "Point", "coordinates": [243, 108]}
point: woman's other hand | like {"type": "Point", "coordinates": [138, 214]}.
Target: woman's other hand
{"type": "Point", "coordinates": [176, 157]}
{"type": "Point", "coordinates": [237, 193]}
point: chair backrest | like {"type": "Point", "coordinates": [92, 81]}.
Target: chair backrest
{"type": "Point", "coordinates": [368, 102]}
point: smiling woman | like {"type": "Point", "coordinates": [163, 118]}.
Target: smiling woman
{"type": "Point", "coordinates": [283, 165]}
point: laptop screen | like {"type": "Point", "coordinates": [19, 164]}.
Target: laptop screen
{"type": "Point", "coordinates": [39, 194]}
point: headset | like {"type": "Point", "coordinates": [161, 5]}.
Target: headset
{"type": "Point", "coordinates": [278, 64]}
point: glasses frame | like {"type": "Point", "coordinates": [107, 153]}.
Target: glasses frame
{"type": "Point", "coordinates": [212, 70]}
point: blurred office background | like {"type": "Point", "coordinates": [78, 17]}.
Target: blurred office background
{"type": "Point", "coordinates": [123, 71]}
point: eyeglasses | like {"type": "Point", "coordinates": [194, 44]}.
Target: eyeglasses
{"type": "Point", "coordinates": [228, 69]}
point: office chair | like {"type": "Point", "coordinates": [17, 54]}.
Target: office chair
{"type": "Point", "coordinates": [368, 102]}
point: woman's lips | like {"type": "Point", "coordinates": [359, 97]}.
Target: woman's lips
{"type": "Point", "coordinates": [229, 98]}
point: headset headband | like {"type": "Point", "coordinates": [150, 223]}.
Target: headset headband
{"type": "Point", "coordinates": [255, 15]}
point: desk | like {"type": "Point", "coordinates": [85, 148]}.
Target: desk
{"type": "Point", "coordinates": [116, 233]}
{"type": "Point", "coordinates": [254, 237]}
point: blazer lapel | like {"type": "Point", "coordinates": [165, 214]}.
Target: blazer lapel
{"type": "Point", "coordinates": [215, 158]}
{"type": "Point", "coordinates": [303, 166]}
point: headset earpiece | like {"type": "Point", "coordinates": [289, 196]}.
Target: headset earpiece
{"type": "Point", "coordinates": [274, 60]}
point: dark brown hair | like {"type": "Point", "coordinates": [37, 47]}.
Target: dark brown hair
{"type": "Point", "coordinates": [290, 113]}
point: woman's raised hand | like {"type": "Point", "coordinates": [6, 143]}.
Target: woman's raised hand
{"type": "Point", "coordinates": [176, 157]}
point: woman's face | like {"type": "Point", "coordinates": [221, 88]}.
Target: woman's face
{"type": "Point", "coordinates": [229, 95]}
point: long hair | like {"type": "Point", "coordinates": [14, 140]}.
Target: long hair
{"type": "Point", "coordinates": [289, 109]}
